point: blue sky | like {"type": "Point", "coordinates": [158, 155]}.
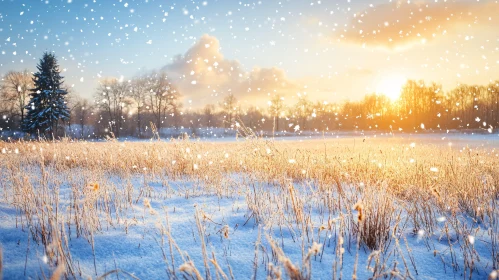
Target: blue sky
{"type": "Point", "coordinates": [96, 38]}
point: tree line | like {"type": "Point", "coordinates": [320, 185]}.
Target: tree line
{"type": "Point", "coordinates": [151, 103]}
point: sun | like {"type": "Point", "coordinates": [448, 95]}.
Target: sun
{"type": "Point", "coordinates": [391, 86]}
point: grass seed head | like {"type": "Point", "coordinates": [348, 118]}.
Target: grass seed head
{"type": "Point", "coordinates": [225, 231]}
{"type": "Point", "coordinates": [147, 203]}
{"type": "Point", "coordinates": [359, 208]}
{"type": "Point", "coordinates": [94, 186]}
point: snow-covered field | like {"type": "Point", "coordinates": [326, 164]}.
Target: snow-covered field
{"type": "Point", "coordinates": [386, 206]}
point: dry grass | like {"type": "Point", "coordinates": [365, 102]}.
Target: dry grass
{"type": "Point", "coordinates": [366, 194]}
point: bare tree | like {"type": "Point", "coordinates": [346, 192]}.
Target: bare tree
{"type": "Point", "coordinates": [162, 96]}
{"type": "Point", "coordinates": [112, 97]}
{"type": "Point", "coordinates": [175, 108]}
{"type": "Point", "coordinates": [82, 111]}
{"type": "Point", "coordinates": [303, 110]}
{"type": "Point", "coordinates": [209, 114]}
{"type": "Point", "coordinates": [71, 100]}
{"type": "Point", "coordinates": [252, 118]}
{"type": "Point", "coordinates": [15, 89]}
{"type": "Point", "coordinates": [276, 106]}
{"type": "Point", "coordinates": [230, 108]}
{"type": "Point", "coordinates": [139, 91]}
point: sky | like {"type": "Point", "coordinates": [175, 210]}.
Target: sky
{"type": "Point", "coordinates": [326, 50]}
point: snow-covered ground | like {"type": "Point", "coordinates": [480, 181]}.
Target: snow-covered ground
{"type": "Point", "coordinates": [132, 237]}
{"type": "Point", "coordinates": [135, 244]}
{"type": "Point", "coordinates": [442, 138]}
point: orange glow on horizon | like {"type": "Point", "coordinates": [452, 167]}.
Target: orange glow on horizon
{"type": "Point", "coordinates": [391, 86]}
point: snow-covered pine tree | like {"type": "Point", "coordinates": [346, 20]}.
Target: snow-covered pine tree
{"type": "Point", "coordinates": [47, 105]}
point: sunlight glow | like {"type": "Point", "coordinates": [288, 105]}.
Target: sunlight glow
{"type": "Point", "coordinates": [391, 85]}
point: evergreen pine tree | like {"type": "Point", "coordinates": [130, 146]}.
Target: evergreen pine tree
{"type": "Point", "coordinates": [47, 104]}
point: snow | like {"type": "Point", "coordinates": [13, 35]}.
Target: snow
{"type": "Point", "coordinates": [137, 250]}
{"type": "Point", "coordinates": [439, 139]}
{"type": "Point", "coordinates": [233, 56]}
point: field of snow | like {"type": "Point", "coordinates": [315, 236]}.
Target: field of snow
{"type": "Point", "coordinates": [411, 207]}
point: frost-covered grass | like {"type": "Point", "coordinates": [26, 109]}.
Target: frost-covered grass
{"type": "Point", "coordinates": [323, 209]}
